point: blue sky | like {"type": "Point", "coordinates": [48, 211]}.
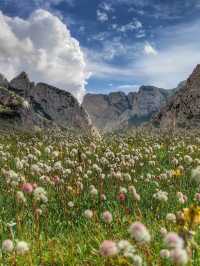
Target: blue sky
{"type": "Point", "coordinates": [126, 43]}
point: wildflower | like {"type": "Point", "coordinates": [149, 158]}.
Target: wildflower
{"type": "Point", "coordinates": [121, 197]}
{"type": "Point", "coordinates": [70, 204]}
{"type": "Point", "coordinates": [88, 214]}
{"type": "Point", "coordinates": [108, 248]}
{"type": "Point", "coordinates": [179, 256]}
{"type": "Point", "coordinates": [7, 245]}
{"type": "Point", "coordinates": [163, 231]}
{"type": "Point", "coordinates": [22, 247]}
{"type": "Point", "coordinates": [172, 240]}
{"type": "Point", "coordinates": [27, 188]}
{"type": "Point", "coordinates": [107, 217]}
{"type": "Point", "coordinates": [191, 215]}
{"type": "Point", "coordinates": [196, 175]}
{"type": "Point", "coordinates": [188, 159]}
{"type": "Point", "coordinates": [123, 245]}
{"type": "Point", "coordinates": [139, 232]}
{"type": "Point", "coordinates": [164, 253]}
{"type": "Point", "coordinates": [197, 197]}
{"type": "Point", "coordinates": [161, 196]}
{"type": "Point", "coordinates": [137, 260]}
{"type": "Point", "coordinates": [171, 217]}
{"type": "Point", "coordinates": [20, 197]}
{"type": "Point", "coordinates": [40, 195]}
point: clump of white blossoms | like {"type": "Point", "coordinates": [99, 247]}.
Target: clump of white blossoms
{"type": "Point", "coordinates": [196, 174]}
{"type": "Point", "coordinates": [139, 232]}
{"type": "Point", "coordinates": [40, 195]}
{"type": "Point", "coordinates": [22, 247]}
{"type": "Point", "coordinates": [88, 214]}
{"type": "Point", "coordinates": [177, 253]}
{"type": "Point", "coordinates": [161, 196]}
{"type": "Point", "coordinates": [171, 217]}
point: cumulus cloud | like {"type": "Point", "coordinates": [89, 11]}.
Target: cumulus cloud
{"type": "Point", "coordinates": [173, 60]}
{"type": "Point", "coordinates": [42, 46]}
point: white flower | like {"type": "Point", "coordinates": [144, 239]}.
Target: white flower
{"type": "Point", "coordinates": [40, 195]}
{"type": "Point", "coordinates": [70, 204]}
{"type": "Point", "coordinates": [137, 260]}
{"type": "Point", "coordinates": [161, 196]}
{"type": "Point", "coordinates": [171, 217]}
{"type": "Point", "coordinates": [172, 240]}
{"type": "Point", "coordinates": [179, 256]}
{"type": "Point", "coordinates": [139, 232]}
{"type": "Point", "coordinates": [88, 214]}
{"type": "Point", "coordinates": [196, 175]}
{"type": "Point", "coordinates": [164, 253]}
{"type": "Point", "coordinates": [22, 247]}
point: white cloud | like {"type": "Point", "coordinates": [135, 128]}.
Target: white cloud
{"type": "Point", "coordinates": [101, 16]}
{"type": "Point", "coordinates": [177, 54]}
{"type": "Point", "coordinates": [107, 7]}
{"type": "Point", "coordinates": [149, 49]}
{"type": "Point", "coordinates": [43, 47]}
{"type": "Point", "coordinates": [131, 26]}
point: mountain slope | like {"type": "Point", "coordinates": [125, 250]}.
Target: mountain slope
{"type": "Point", "coordinates": [118, 110]}
{"type": "Point", "coordinates": [40, 105]}
{"type": "Point", "coordinates": [183, 110]}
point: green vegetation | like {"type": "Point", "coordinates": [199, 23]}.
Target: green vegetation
{"type": "Point", "coordinates": [62, 196]}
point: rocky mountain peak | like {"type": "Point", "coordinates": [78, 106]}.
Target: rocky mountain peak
{"type": "Point", "coordinates": [21, 84]}
{"type": "Point", "coordinates": [118, 110]}
{"type": "Point", "coordinates": [194, 77]}
{"type": "Point", "coordinates": [26, 105]}
{"type": "Point", "coordinates": [183, 108]}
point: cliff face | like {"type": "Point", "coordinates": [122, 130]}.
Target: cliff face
{"type": "Point", "coordinates": [40, 105]}
{"type": "Point", "coordinates": [118, 110]}
{"type": "Point", "coordinates": [183, 110]}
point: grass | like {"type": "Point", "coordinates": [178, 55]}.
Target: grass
{"type": "Point", "coordinates": [62, 235]}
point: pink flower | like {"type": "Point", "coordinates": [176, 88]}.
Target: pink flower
{"type": "Point", "coordinates": [139, 232]}
{"type": "Point", "coordinates": [107, 217]}
{"type": "Point", "coordinates": [121, 197]}
{"type": "Point", "coordinates": [27, 188]}
{"type": "Point", "coordinates": [173, 240]}
{"type": "Point", "coordinates": [197, 196]}
{"type": "Point", "coordinates": [56, 179]}
{"type": "Point", "coordinates": [108, 248]}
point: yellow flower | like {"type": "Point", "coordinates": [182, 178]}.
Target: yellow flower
{"type": "Point", "coordinates": [176, 172]}
{"type": "Point", "coordinates": [192, 215]}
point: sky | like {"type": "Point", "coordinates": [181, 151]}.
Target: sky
{"type": "Point", "coordinates": [99, 46]}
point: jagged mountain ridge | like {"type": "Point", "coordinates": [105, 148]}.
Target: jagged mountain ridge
{"type": "Point", "coordinates": [183, 110]}
{"type": "Point", "coordinates": [118, 110]}
{"type": "Point", "coordinates": [39, 105]}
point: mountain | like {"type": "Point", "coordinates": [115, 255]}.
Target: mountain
{"type": "Point", "coordinates": [183, 109]}
{"type": "Point", "coordinates": [24, 104]}
{"type": "Point", "coordinates": [118, 110]}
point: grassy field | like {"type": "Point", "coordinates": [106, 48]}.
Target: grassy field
{"type": "Point", "coordinates": [68, 200]}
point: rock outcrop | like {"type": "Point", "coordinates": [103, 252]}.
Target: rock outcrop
{"type": "Point", "coordinates": [183, 110]}
{"type": "Point", "coordinates": [26, 105]}
{"type": "Point", "coordinates": [118, 110]}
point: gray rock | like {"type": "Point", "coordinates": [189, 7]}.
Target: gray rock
{"type": "Point", "coordinates": [43, 106]}
{"type": "Point", "coordinates": [183, 109]}
{"type": "Point", "coordinates": [118, 110]}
